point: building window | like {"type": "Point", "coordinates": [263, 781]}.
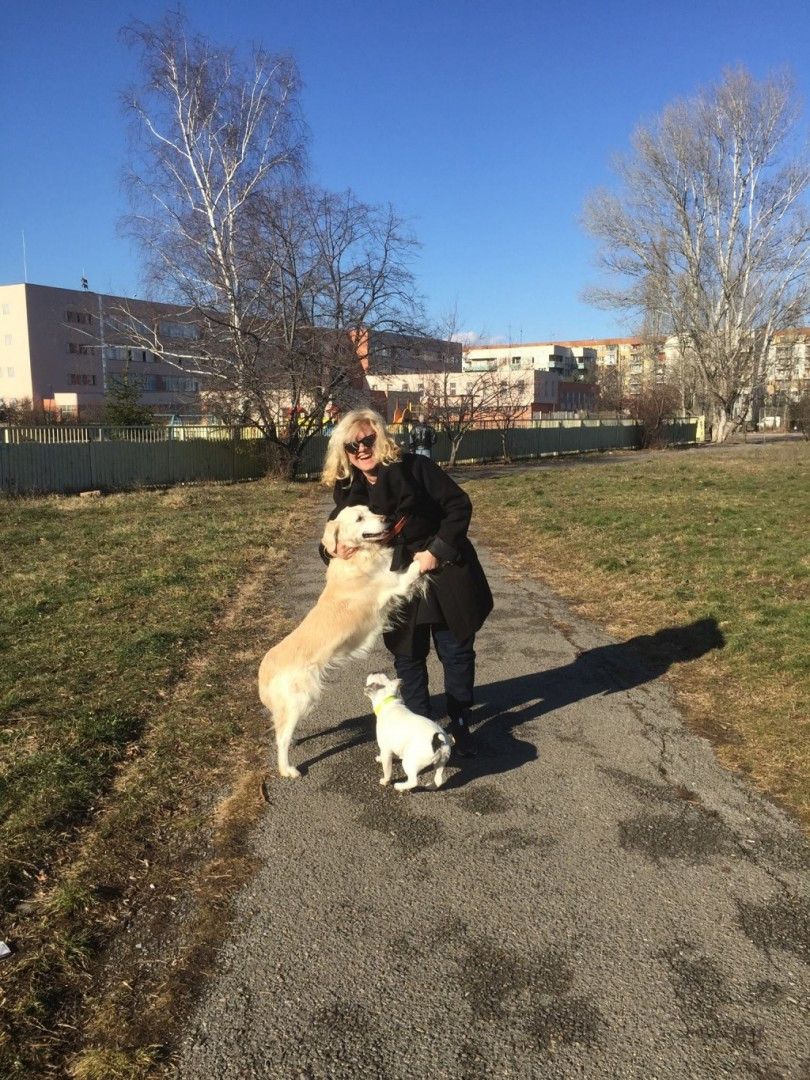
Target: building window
{"type": "Point", "coordinates": [76, 379]}
{"type": "Point", "coordinates": [126, 324]}
{"type": "Point", "coordinates": [174, 383]}
{"type": "Point", "coordinates": [79, 348]}
{"type": "Point", "coordinates": [8, 339]}
{"type": "Point", "coordinates": [184, 331]}
{"type": "Point", "coordinates": [10, 372]}
{"type": "Point", "coordinates": [6, 309]}
{"type": "Point", "coordinates": [78, 317]}
{"type": "Point", "coordinates": [121, 352]}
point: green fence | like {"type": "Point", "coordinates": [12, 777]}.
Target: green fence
{"type": "Point", "coordinates": [548, 438]}
{"type": "Point", "coordinates": [119, 465]}
{"type": "Point", "coordinates": [120, 459]}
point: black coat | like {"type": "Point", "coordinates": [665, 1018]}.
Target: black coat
{"type": "Point", "coordinates": [437, 513]}
{"type": "Point", "coordinates": [422, 435]}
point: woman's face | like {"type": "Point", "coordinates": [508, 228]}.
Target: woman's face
{"type": "Point", "coordinates": [362, 456]}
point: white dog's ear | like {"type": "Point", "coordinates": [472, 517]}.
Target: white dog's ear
{"type": "Point", "coordinates": [374, 683]}
{"type": "Point", "coordinates": [395, 685]}
{"type": "Point", "coordinates": [330, 537]}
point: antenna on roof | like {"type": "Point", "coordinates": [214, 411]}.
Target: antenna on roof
{"type": "Point", "coordinates": [84, 282]}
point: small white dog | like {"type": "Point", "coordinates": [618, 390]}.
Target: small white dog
{"type": "Point", "coordinates": [419, 743]}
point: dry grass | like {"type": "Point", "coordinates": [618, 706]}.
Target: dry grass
{"type": "Point", "coordinates": [711, 538]}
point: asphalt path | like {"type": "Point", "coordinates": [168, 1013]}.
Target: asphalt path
{"type": "Point", "coordinates": [593, 896]}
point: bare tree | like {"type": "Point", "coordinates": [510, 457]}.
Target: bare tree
{"type": "Point", "coordinates": [272, 276]}
{"type": "Point", "coordinates": [611, 389]}
{"type": "Point", "coordinates": [456, 402]}
{"type": "Point", "coordinates": [334, 268]}
{"type": "Point", "coordinates": [709, 232]}
{"type": "Point", "coordinates": [654, 407]}
{"type": "Point", "coordinates": [800, 413]}
{"type": "Point", "coordinates": [509, 399]}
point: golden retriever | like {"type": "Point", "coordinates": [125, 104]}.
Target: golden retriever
{"type": "Point", "coordinates": [359, 598]}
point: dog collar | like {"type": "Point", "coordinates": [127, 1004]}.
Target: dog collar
{"type": "Point", "coordinates": [390, 700]}
{"type": "Point", "coordinates": [395, 530]}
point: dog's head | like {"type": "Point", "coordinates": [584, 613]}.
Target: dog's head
{"type": "Point", "coordinates": [379, 686]}
{"type": "Point", "coordinates": [355, 526]}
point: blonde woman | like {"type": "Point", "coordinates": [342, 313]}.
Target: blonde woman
{"type": "Point", "coordinates": [365, 467]}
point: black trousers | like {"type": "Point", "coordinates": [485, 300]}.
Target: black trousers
{"type": "Point", "coordinates": [458, 662]}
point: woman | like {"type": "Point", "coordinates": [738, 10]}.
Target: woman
{"type": "Point", "coordinates": [366, 467]}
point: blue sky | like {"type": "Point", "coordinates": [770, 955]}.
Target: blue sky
{"type": "Point", "coordinates": [484, 122]}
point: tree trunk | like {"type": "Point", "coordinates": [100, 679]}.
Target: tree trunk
{"type": "Point", "coordinates": [505, 448]}
{"type": "Point", "coordinates": [282, 462]}
{"type": "Point", "coordinates": [721, 426]}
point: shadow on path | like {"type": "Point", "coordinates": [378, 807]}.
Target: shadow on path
{"type": "Point", "coordinates": [504, 705]}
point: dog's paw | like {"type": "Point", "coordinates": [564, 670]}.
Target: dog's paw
{"type": "Point", "coordinates": [404, 785]}
{"type": "Point", "coordinates": [384, 782]}
{"type": "Point", "coordinates": [378, 759]}
{"type": "Point", "coordinates": [290, 773]}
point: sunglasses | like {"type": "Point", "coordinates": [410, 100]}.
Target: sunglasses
{"type": "Point", "coordinates": [354, 447]}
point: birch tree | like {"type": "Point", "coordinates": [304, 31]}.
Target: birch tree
{"type": "Point", "coordinates": [211, 132]}
{"type": "Point", "coordinates": [708, 232]}
{"type": "Point", "coordinates": [273, 274]}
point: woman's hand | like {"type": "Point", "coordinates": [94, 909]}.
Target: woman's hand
{"type": "Point", "coordinates": [427, 561]}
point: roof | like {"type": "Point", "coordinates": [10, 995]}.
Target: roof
{"type": "Point", "coordinates": [503, 347]}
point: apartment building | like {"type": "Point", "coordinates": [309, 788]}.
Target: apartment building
{"type": "Point", "coordinates": [62, 350]}
{"type": "Point", "coordinates": [569, 360]}
{"type": "Point", "coordinates": [383, 352]}
{"type": "Point", "coordinates": [787, 367]}
{"type": "Point", "coordinates": [528, 394]}
{"type": "Point", "coordinates": [637, 363]}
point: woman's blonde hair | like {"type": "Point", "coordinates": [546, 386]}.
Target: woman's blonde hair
{"type": "Point", "coordinates": [336, 466]}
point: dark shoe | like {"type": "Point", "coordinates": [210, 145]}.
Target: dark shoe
{"type": "Point", "coordinates": [463, 738]}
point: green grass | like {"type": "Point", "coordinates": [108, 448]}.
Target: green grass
{"type": "Point", "coordinates": [104, 602]}
{"type": "Point", "coordinates": [674, 539]}
{"type": "Point", "coordinates": [127, 691]}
